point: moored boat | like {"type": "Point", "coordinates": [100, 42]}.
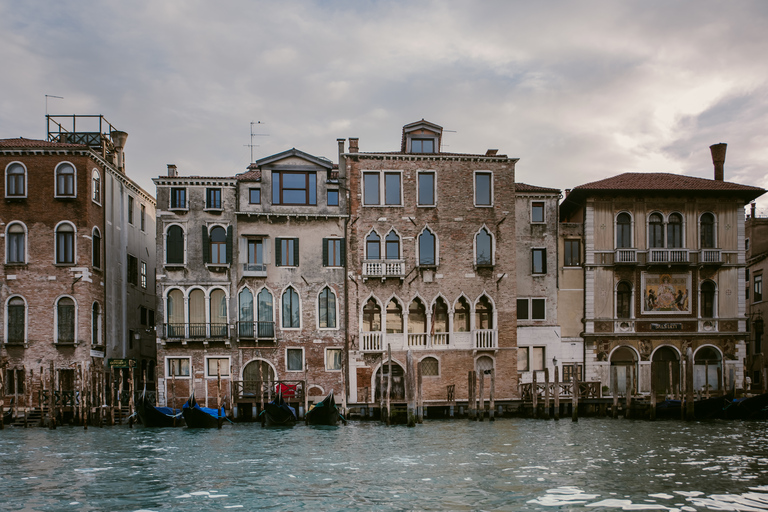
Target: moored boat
{"type": "Point", "coordinates": [151, 416]}
{"type": "Point", "coordinates": [8, 417]}
{"type": "Point", "coordinates": [706, 408]}
{"type": "Point", "coordinates": [277, 413]}
{"type": "Point", "coordinates": [201, 417]}
{"type": "Point", "coordinates": [325, 412]}
{"type": "Point", "coordinates": [749, 408]}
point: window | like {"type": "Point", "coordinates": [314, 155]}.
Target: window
{"type": "Point", "coordinates": [707, 299]}
{"type": "Point", "coordinates": [623, 231]}
{"type": "Point", "coordinates": [426, 189]}
{"type": "Point", "coordinates": [130, 210]}
{"type": "Point", "coordinates": [439, 316]}
{"type": "Point", "coordinates": [333, 252]}
{"type": "Point", "coordinates": [245, 313]}
{"type": "Point", "coordinates": [294, 360]}
{"type": "Point", "coordinates": [143, 218]}
{"type": "Point", "coordinates": [15, 180]}
{"type": "Point", "coordinates": [483, 189]}
{"type": "Point", "coordinates": [174, 245]}
{"type": "Point", "coordinates": [255, 254]}
{"type": "Point", "coordinates": [218, 314]}
{"type": "Point", "coordinates": [96, 325]}
{"type": "Point", "coordinates": [655, 231]}
{"type": "Point", "coordinates": [96, 186]}
{"type": "Point", "coordinates": [572, 253]}
{"type": "Point", "coordinates": [218, 366]}
{"type": "Point", "coordinates": [569, 370]}
{"type": "Point", "coordinates": [422, 145]}
{"type": "Point", "coordinates": [293, 187]}
{"type": "Point", "coordinates": [65, 244]}
{"type": "Point", "coordinates": [332, 197]}
{"type": "Point", "coordinates": [178, 366]}
{"type": "Point", "coordinates": [196, 313]}
{"type": "Point", "coordinates": [178, 198]}
{"type": "Point", "coordinates": [96, 248]}
{"type": "Point", "coordinates": [523, 309]}
{"type": "Point", "coordinates": [522, 359]}
{"type": "Point", "coordinates": [131, 336]}
{"type": "Point", "coordinates": [133, 270]}
{"type": "Point", "coordinates": [291, 309]}
{"type": "Point", "coordinates": [175, 317]}
{"type": "Point", "coordinates": [417, 317]}
{"type": "Point", "coordinates": [65, 180]}
{"type": "Point", "coordinates": [143, 315]}
{"type": "Point", "coordinates": [484, 313]}
{"type": "Point", "coordinates": [371, 189]}
{"type": "Point", "coordinates": [213, 198]}
{"type": "Point", "coordinates": [461, 316]}
{"type": "Point", "coordinates": [707, 231]}
{"type": "Point", "coordinates": [483, 248]}
{"type": "Point", "coordinates": [265, 314]}
{"type": "Point", "coordinates": [16, 320]}
{"type": "Point", "coordinates": [394, 317]}
{"type": "Point", "coordinates": [538, 261]}
{"type": "Point", "coordinates": [537, 211]}
{"type": "Point", "coordinates": [144, 274]}
{"type": "Point", "coordinates": [16, 243]}
{"type": "Point", "coordinates": [218, 250]}
{"type": "Point", "coordinates": [371, 316]}
{"type": "Point", "coordinates": [287, 252]}
{"type": "Point", "coordinates": [427, 248]}
{"type": "Point", "coordinates": [392, 189]}
{"type": "Point", "coordinates": [65, 320]}
{"type": "Point", "coordinates": [675, 231]}
{"type": "Point", "coordinates": [392, 246]}
{"type": "Point", "coordinates": [332, 359]}
{"type": "Point", "coordinates": [14, 381]}
{"type": "Point", "coordinates": [758, 288]}
{"type": "Point", "coordinates": [373, 246]}
{"type": "Point", "coordinates": [624, 300]}
{"type": "Point", "coordinates": [538, 358]}
{"type": "Point", "coordinates": [326, 306]}
{"type": "Point", "coordinates": [429, 367]}
{"type": "Point", "coordinates": [254, 195]}
{"type": "Point", "coordinates": [532, 309]}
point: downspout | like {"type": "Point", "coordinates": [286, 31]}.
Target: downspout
{"type": "Point", "coordinates": [342, 179]}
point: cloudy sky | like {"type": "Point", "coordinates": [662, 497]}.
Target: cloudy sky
{"type": "Point", "coordinates": [579, 91]}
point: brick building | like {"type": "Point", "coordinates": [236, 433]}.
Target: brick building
{"type": "Point", "coordinates": [432, 266]}
{"type": "Point", "coordinates": [756, 242]}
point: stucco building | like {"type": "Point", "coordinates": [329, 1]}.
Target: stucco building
{"type": "Point", "coordinates": [756, 242]}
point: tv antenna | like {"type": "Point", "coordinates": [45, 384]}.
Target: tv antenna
{"type": "Point", "coordinates": [252, 145]}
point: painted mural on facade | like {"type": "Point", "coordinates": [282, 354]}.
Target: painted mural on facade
{"type": "Point", "coordinates": [666, 293]}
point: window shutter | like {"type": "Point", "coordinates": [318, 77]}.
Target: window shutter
{"type": "Point", "coordinates": [296, 252]}
{"type": "Point", "coordinates": [229, 244]}
{"type": "Point", "coordinates": [343, 251]}
{"type": "Point", "coordinates": [278, 253]}
{"type": "Point", "coordinates": [206, 245]}
{"type": "Point", "coordinates": [325, 252]}
{"type": "Point", "coordinates": [267, 251]}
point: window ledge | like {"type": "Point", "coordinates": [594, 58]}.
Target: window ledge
{"type": "Point", "coordinates": [217, 267]}
{"type": "Point", "coordinates": [213, 210]}
{"type": "Point", "coordinates": [16, 264]}
{"type": "Point", "coordinates": [15, 198]}
{"type": "Point", "coordinates": [180, 266]}
{"type": "Point", "coordinates": [64, 264]}
{"type": "Point", "coordinates": [23, 344]}
{"type": "Point", "coordinates": [484, 266]}
{"type": "Point", "coordinates": [65, 343]}
{"type": "Point", "coordinates": [178, 210]}
{"type": "Point", "coordinates": [428, 267]}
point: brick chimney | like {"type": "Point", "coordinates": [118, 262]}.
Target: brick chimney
{"type": "Point", "coordinates": [172, 172]}
{"type": "Point", "coordinates": [342, 160]}
{"type": "Point", "coordinates": [353, 148]}
{"type": "Point", "coordinates": [718, 158]}
{"type": "Point", "coordinates": [491, 152]}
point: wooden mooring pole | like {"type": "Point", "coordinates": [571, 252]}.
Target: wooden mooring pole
{"type": "Point", "coordinates": [652, 411]}
{"type": "Point", "coordinates": [557, 394]}
{"type": "Point", "coordinates": [615, 391]}
{"type": "Point", "coordinates": [628, 392]}
{"type": "Point", "coordinates": [575, 412]}
{"type": "Point", "coordinates": [689, 406]}
{"type": "Point", "coordinates": [409, 390]}
{"type": "Point", "coordinates": [389, 384]}
{"type": "Point", "coordinates": [419, 396]}
{"type": "Point", "coordinates": [492, 396]}
{"type": "Point", "coordinates": [470, 395]}
{"type": "Point", "coordinates": [534, 395]}
{"type": "Point", "coordinates": [218, 397]}
{"type": "Point", "coordinates": [52, 407]}
{"type": "Point", "coordinates": [2, 397]}
{"type": "Point", "coordinates": [546, 393]}
{"type": "Point", "coordinates": [381, 389]}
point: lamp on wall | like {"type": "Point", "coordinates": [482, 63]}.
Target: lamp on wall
{"type": "Point", "coordinates": [554, 361]}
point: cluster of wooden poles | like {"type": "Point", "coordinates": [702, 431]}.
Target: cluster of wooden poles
{"type": "Point", "coordinates": [556, 396]}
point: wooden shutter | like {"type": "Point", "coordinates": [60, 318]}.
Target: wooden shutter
{"type": "Point", "coordinates": [278, 253]}
{"type": "Point", "coordinates": [206, 245]}
{"type": "Point", "coordinates": [229, 244]}
{"type": "Point", "coordinates": [343, 245]}
{"type": "Point", "coordinates": [325, 252]}
{"type": "Point", "coordinates": [296, 252]}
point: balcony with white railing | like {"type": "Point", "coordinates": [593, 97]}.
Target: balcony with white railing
{"type": "Point", "coordinates": [372, 341]}
{"type": "Point", "coordinates": [668, 256]}
{"type": "Point", "coordinates": [625, 257]}
{"type": "Point", "coordinates": [254, 270]}
{"type": "Point", "coordinates": [440, 339]}
{"type": "Point", "coordinates": [379, 341]}
{"type": "Point", "coordinates": [418, 340]}
{"type": "Point", "coordinates": [383, 268]}
{"type": "Point", "coordinates": [711, 256]}
{"type": "Point", "coordinates": [485, 338]}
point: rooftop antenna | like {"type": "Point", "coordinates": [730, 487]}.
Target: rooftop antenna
{"type": "Point", "coordinates": [450, 131]}
{"type": "Point", "coordinates": [252, 145]}
{"type": "Point", "coordinates": [46, 110]}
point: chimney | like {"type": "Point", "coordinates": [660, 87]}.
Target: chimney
{"type": "Point", "coordinates": [753, 205]}
{"type": "Point", "coordinates": [491, 152]}
{"type": "Point", "coordinates": [718, 158]}
{"type": "Point", "coordinates": [342, 160]}
{"type": "Point", "coordinates": [353, 145]}
{"type": "Point", "coordinates": [118, 139]}
{"type": "Point", "coordinates": [172, 173]}
{"type": "Point", "coordinates": [567, 191]}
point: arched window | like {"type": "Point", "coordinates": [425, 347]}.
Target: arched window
{"type": "Point", "coordinates": [175, 314]}
{"type": "Point", "coordinates": [655, 231]}
{"type": "Point", "coordinates": [371, 316]}
{"type": "Point", "coordinates": [483, 248]}
{"type": "Point", "coordinates": [373, 246]}
{"type": "Point", "coordinates": [326, 309]}
{"type": "Point", "coordinates": [16, 244]}
{"type": "Point", "coordinates": [291, 309]}
{"type": "Point", "coordinates": [65, 320]}
{"type": "Point", "coordinates": [96, 324]}
{"type": "Point", "coordinates": [65, 244]}
{"type": "Point", "coordinates": [16, 320]}
{"type": "Point", "coordinates": [624, 300]}
{"type": "Point", "coordinates": [707, 231]}
{"type": "Point", "coordinates": [174, 245]}
{"type": "Point", "coordinates": [196, 314]}
{"type": "Point", "coordinates": [392, 245]}
{"type": "Point", "coordinates": [484, 314]}
{"type": "Point", "coordinates": [218, 314]}
{"type": "Point", "coordinates": [708, 299]}
{"type": "Point", "coordinates": [427, 248]}
{"type": "Point", "coordinates": [65, 180]}
{"type": "Point", "coordinates": [417, 317]}
{"type": "Point", "coordinates": [675, 231]}
{"type": "Point", "coordinates": [96, 186]}
{"type": "Point", "coordinates": [461, 316]}
{"type": "Point", "coordinates": [245, 313]}
{"type": "Point", "coordinates": [439, 316]}
{"type": "Point", "coordinates": [218, 245]}
{"type": "Point", "coordinates": [394, 317]}
{"type": "Point", "coordinates": [96, 248]}
{"type": "Point", "coordinates": [429, 367]}
{"type": "Point", "coordinates": [264, 313]}
{"type": "Point", "coordinates": [623, 231]}
{"type": "Point", "coordinates": [15, 180]}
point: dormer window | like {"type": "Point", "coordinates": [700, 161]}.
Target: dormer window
{"type": "Point", "coordinates": [422, 145]}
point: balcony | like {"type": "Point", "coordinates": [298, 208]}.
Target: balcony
{"type": "Point", "coordinates": [378, 342]}
{"type": "Point", "coordinates": [711, 256]}
{"type": "Point", "coordinates": [256, 330]}
{"type": "Point", "coordinates": [197, 331]}
{"type": "Point", "coordinates": [371, 341]}
{"type": "Point", "coordinates": [625, 257]}
{"type": "Point", "coordinates": [383, 268]}
{"type": "Point", "coordinates": [668, 256]}
{"type": "Point", "coordinates": [254, 270]}
{"type": "Point", "coordinates": [485, 338]}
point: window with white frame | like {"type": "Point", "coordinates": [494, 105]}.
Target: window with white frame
{"type": "Point", "coordinates": [531, 308]}
{"type": "Point", "coordinates": [623, 231]}
{"type": "Point", "coordinates": [326, 309]}
{"type": "Point", "coordinates": [522, 359]}
{"type": "Point", "coordinates": [427, 244]}
{"type": "Point", "coordinates": [16, 320]}
{"type": "Point", "coordinates": [333, 359]}
{"type": "Point", "coordinates": [572, 253]}
{"type": "Point", "coordinates": [65, 180]}
{"type": "Point", "coordinates": [332, 197]}
{"type": "Point", "coordinates": [382, 188]}
{"type": "Point", "coordinates": [16, 180]}
{"type": "Point", "coordinates": [373, 246]}
{"type": "Point", "coordinates": [178, 198]}
{"type": "Point", "coordinates": [538, 358]}
{"type": "Point", "coordinates": [174, 245]}
{"type": "Point", "coordinates": [65, 244]}
{"type": "Point", "coordinates": [96, 248]}
{"type": "Point", "coordinates": [483, 188]}
{"type": "Point", "coordinates": [291, 311]}
{"type": "Point", "coordinates": [144, 274]}
{"type": "Point", "coordinates": [294, 188]}
{"type": "Point", "coordinates": [213, 198]}
{"type": "Point", "coordinates": [426, 193]}
{"type": "Point", "coordinates": [96, 337]}
{"type": "Point", "coordinates": [294, 359]}
{"type": "Point", "coordinates": [483, 248]}
{"type": "Point", "coordinates": [178, 367]}
{"type": "Point", "coordinates": [16, 243]}
{"type": "Point", "coordinates": [217, 366]}
{"type": "Point", "coordinates": [538, 261]}
{"type": "Point", "coordinates": [287, 252]}
{"type": "Point", "coordinates": [422, 145]}
{"type": "Point", "coordinates": [96, 186]}
{"type": "Point", "coordinates": [130, 210]}
{"type": "Point", "coordinates": [758, 288]}
{"type": "Point", "coordinates": [537, 212]}
{"type": "Point", "coordinates": [333, 252]}
{"type": "Point", "coordinates": [65, 320]}
{"type": "Point", "coordinates": [392, 246]}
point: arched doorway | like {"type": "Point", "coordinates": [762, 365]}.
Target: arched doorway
{"type": "Point", "coordinates": [397, 390]}
{"type": "Point", "coordinates": [707, 369]}
{"type": "Point", "coordinates": [257, 375]}
{"type": "Point", "coordinates": [665, 370]}
{"type": "Point", "coordinates": [625, 362]}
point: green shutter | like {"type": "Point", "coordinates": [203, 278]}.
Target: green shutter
{"type": "Point", "coordinates": [325, 252]}
{"type": "Point", "coordinates": [229, 244]}
{"type": "Point", "coordinates": [343, 251]}
{"type": "Point", "coordinates": [296, 251]}
{"type": "Point", "coordinates": [278, 253]}
{"type": "Point", "coordinates": [206, 245]}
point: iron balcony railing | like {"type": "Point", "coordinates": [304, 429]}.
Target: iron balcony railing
{"type": "Point", "coordinates": [195, 330]}
{"type": "Point", "coordinates": [255, 269]}
{"type": "Point", "coordinates": [668, 256]}
{"type": "Point", "coordinates": [256, 330]}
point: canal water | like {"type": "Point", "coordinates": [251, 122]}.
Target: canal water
{"type": "Point", "coordinates": [511, 464]}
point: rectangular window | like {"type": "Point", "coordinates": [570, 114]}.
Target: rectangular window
{"type": "Point", "coordinates": [143, 315]}
{"type": "Point", "coordinates": [522, 309]}
{"type": "Point", "coordinates": [293, 187]}
{"type": "Point", "coordinates": [537, 211]}
{"type": "Point", "coordinates": [255, 253]}
{"type": "Point", "coordinates": [143, 219]}
{"type": "Point", "coordinates": [426, 189]}
{"type": "Point", "coordinates": [538, 358]}
{"type": "Point", "coordinates": [422, 145]}
{"type": "Point", "coordinates": [538, 261]}
{"type": "Point", "coordinates": [522, 359]}
{"type": "Point", "coordinates": [144, 274]}
{"type": "Point", "coordinates": [532, 309]}
{"type": "Point", "coordinates": [287, 252]}
{"type": "Point", "coordinates": [392, 188]}
{"type": "Point", "coordinates": [572, 253]}
{"type": "Point", "coordinates": [14, 381]}
{"type": "Point", "coordinates": [333, 198]}
{"type": "Point", "coordinates": [294, 360]}
{"type": "Point", "coordinates": [178, 366]}
{"type": "Point", "coordinates": [758, 288]}
{"type": "Point", "coordinates": [130, 210]}
{"type": "Point", "coordinates": [133, 270]}
{"type": "Point", "coordinates": [371, 188]}
{"type": "Point", "coordinates": [16, 250]}
{"type": "Point", "coordinates": [483, 189]}
{"type": "Point", "coordinates": [332, 252]}
{"type": "Point", "coordinates": [254, 195]}
{"type": "Point", "coordinates": [151, 318]}
{"type": "Point", "coordinates": [65, 246]}
{"type": "Point", "coordinates": [218, 366]}
{"type": "Point", "coordinates": [178, 198]}
{"type": "Point", "coordinates": [569, 370]}
{"type": "Point", "coordinates": [213, 198]}
{"type": "Point", "coordinates": [332, 359]}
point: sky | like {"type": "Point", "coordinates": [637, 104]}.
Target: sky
{"type": "Point", "coordinates": [578, 91]}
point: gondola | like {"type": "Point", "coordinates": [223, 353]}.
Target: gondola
{"type": "Point", "coordinates": [201, 417]}
{"type": "Point", "coordinates": [706, 408]}
{"type": "Point", "coordinates": [8, 417]}
{"type": "Point", "coordinates": [325, 412]}
{"type": "Point", "coordinates": [151, 416]}
{"type": "Point", "coordinates": [750, 408]}
{"type": "Point", "coordinates": [277, 413]}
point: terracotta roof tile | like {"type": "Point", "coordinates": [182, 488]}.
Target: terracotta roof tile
{"type": "Point", "coordinates": [663, 181]}
{"type": "Point", "coordinates": [21, 142]}
{"type": "Point", "coordinates": [524, 187]}
{"type": "Point", "coordinates": [426, 154]}
{"type": "Point", "coordinates": [254, 174]}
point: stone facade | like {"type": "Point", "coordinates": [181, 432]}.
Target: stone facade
{"type": "Point", "coordinates": [756, 238]}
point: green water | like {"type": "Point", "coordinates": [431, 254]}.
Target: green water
{"type": "Point", "coordinates": [511, 464]}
